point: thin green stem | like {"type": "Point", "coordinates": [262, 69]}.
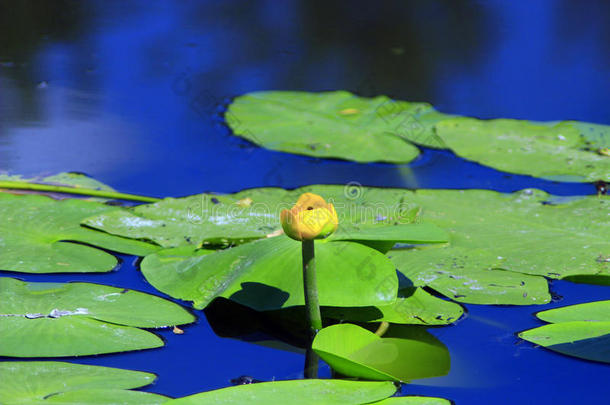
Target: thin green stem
{"type": "Point", "coordinates": [382, 329]}
{"type": "Point", "coordinates": [19, 185]}
{"type": "Point", "coordinates": [312, 304]}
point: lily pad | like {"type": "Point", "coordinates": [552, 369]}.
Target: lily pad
{"type": "Point", "coordinates": [298, 392]}
{"type": "Point", "coordinates": [332, 125]}
{"type": "Point", "coordinates": [267, 274]}
{"type": "Point", "coordinates": [67, 383]}
{"type": "Point", "coordinates": [582, 339]}
{"type": "Point", "coordinates": [414, 306]}
{"type": "Point", "coordinates": [75, 319]}
{"type": "Point", "coordinates": [598, 311]}
{"type": "Point", "coordinates": [42, 235]}
{"type": "Point", "coordinates": [528, 232]}
{"type": "Point", "coordinates": [556, 151]}
{"type": "Point", "coordinates": [412, 353]}
{"type": "Point", "coordinates": [414, 400]}
{"type": "Point", "coordinates": [209, 219]}
{"type": "Point", "coordinates": [469, 276]}
{"type": "Point", "coordinates": [74, 179]}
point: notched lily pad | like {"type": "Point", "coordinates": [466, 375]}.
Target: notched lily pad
{"type": "Point", "coordinates": [42, 235]}
{"type": "Point", "coordinates": [75, 319]}
{"type": "Point", "coordinates": [58, 382]}
{"type": "Point", "coordinates": [267, 274]}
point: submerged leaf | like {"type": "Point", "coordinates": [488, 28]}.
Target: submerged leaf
{"type": "Point", "coordinates": [52, 319]}
{"type": "Point", "coordinates": [58, 382]}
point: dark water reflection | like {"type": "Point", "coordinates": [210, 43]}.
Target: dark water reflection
{"type": "Point", "coordinates": [130, 93]}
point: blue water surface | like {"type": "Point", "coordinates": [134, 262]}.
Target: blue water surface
{"type": "Point", "coordinates": [132, 93]}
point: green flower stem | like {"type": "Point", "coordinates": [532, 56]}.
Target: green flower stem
{"type": "Point", "coordinates": [19, 185]}
{"type": "Point", "coordinates": [311, 364]}
{"type": "Point", "coordinates": [312, 304]}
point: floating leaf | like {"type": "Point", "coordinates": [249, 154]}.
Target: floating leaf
{"type": "Point", "coordinates": [357, 352]}
{"type": "Point", "coordinates": [315, 124]}
{"type": "Point", "coordinates": [413, 306]}
{"type": "Point", "coordinates": [58, 382]}
{"type": "Point", "coordinates": [267, 274]}
{"type": "Point", "coordinates": [38, 235]}
{"type": "Point", "coordinates": [598, 311]}
{"type": "Point", "coordinates": [298, 392]}
{"type": "Point", "coordinates": [78, 180]}
{"type": "Point", "coordinates": [468, 276]}
{"type": "Point", "coordinates": [414, 400]}
{"type": "Point", "coordinates": [75, 319]}
{"type": "Point", "coordinates": [406, 233]}
{"type": "Point", "coordinates": [528, 232]}
{"type": "Point", "coordinates": [205, 219]}
{"type": "Point", "coordinates": [550, 150]}
{"type": "Point", "coordinates": [583, 339]}
{"type": "Point", "coordinates": [341, 125]}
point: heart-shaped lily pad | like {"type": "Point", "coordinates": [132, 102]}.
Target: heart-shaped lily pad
{"type": "Point", "coordinates": [66, 383]}
{"type": "Point", "coordinates": [75, 319]}
{"type": "Point", "coordinates": [298, 392]}
{"type": "Point", "coordinates": [42, 235]}
{"type": "Point", "coordinates": [334, 124]}
{"type": "Point", "coordinates": [267, 274]}
{"type": "Point", "coordinates": [353, 351]}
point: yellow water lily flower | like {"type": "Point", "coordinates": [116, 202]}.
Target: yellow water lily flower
{"type": "Point", "coordinates": [310, 218]}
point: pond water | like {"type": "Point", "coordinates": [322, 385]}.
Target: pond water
{"type": "Point", "coordinates": [132, 93]}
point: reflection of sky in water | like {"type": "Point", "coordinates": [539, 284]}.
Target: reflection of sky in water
{"type": "Point", "coordinates": [130, 98]}
{"type": "Point", "coordinates": [129, 95]}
